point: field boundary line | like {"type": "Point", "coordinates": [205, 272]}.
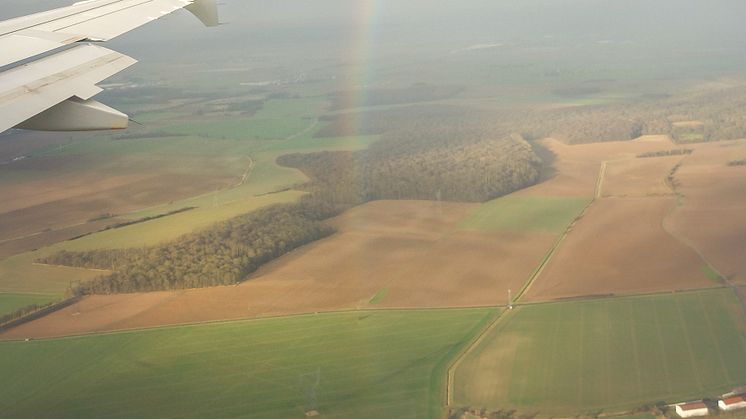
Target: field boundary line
{"type": "Point", "coordinates": [70, 267]}
{"type": "Point", "coordinates": [601, 297]}
{"type": "Point", "coordinates": [550, 253]}
{"type": "Point", "coordinates": [37, 314]}
{"type": "Point", "coordinates": [479, 338]}
{"type": "Point", "coordinates": [305, 130]}
{"type": "Point", "coordinates": [671, 183]}
{"type": "Point", "coordinates": [252, 319]}
{"type": "Point", "coordinates": [246, 173]}
{"type": "Point", "coordinates": [600, 180]}
{"type": "Point", "coordinates": [362, 310]}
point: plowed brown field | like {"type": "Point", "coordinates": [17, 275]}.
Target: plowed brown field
{"type": "Point", "coordinates": [619, 246]}
{"type": "Point", "coordinates": [575, 168]}
{"type": "Point", "coordinates": [712, 215]}
{"type": "Point", "coordinates": [638, 177]}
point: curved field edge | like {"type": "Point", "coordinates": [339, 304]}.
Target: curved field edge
{"type": "Point", "coordinates": [617, 354]}
{"type": "Point", "coordinates": [351, 364]}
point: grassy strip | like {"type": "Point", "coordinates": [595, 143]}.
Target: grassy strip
{"type": "Point", "coordinates": [380, 295]}
{"type": "Point", "coordinates": [711, 273]}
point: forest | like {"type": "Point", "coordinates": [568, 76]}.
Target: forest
{"type": "Point", "coordinates": [450, 163]}
{"type": "Point", "coordinates": [695, 117]}
{"type": "Point", "coordinates": [688, 118]}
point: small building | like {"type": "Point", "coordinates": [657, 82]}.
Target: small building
{"type": "Point", "coordinates": [692, 409]}
{"type": "Point", "coordinates": [732, 403]}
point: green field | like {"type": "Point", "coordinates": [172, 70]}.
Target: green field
{"type": "Point", "coordinates": [278, 119]}
{"type": "Point", "coordinates": [20, 275]}
{"type": "Point", "coordinates": [11, 302]}
{"type": "Point", "coordinates": [526, 214]}
{"type": "Point", "coordinates": [265, 129]}
{"type": "Point", "coordinates": [613, 353]}
{"type": "Point", "coordinates": [303, 107]}
{"type": "Point", "coordinates": [369, 365]}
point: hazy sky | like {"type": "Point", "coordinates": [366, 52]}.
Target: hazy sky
{"type": "Point", "coordinates": [666, 33]}
{"type": "Point", "coordinates": [698, 21]}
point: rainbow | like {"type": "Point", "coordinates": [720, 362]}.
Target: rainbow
{"type": "Point", "coordinates": [362, 50]}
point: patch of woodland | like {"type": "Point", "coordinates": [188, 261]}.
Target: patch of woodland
{"type": "Point", "coordinates": [223, 254]}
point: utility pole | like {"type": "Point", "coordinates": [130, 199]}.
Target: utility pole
{"type": "Point", "coordinates": [510, 300]}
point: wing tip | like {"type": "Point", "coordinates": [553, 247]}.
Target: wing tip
{"type": "Point", "coordinates": [206, 11]}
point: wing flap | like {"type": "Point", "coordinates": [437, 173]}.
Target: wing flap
{"type": "Point", "coordinates": [35, 87]}
{"type": "Point", "coordinates": [29, 43]}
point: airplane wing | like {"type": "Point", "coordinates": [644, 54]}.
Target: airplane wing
{"type": "Point", "coordinates": [54, 93]}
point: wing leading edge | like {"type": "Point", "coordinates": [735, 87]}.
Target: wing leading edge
{"type": "Point", "coordinates": [54, 93]}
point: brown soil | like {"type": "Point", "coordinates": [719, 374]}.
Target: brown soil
{"type": "Point", "coordinates": [638, 177]}
{"type": "Point", "coordinates": [575, 167]}
{"type": "Point", "coordinates": [712, 215]}
{"type": "Point", "coordinates": [409, 248]}
{"type": "Point", "coordinates": [43, 205]}
{"type": "Point", "coordinates": [620, 246]}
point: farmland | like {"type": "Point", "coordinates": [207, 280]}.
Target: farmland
{"type": "Point", "coordinates": [357, 364]}
{"type": "Point", "coordinates": [623, 232]}
{"type": "Point", "coordinates": [429, 254]}
{"type": "Point", "coordinates": [413, 249]}
{"type": "Point", "coordinates": [426, 163]}
{"type": "Point", "coordinates": [615, 354]}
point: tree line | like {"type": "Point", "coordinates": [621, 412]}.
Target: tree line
{"type": "Point", "coordinates": [223, 254]}
{"type": "Point", "coordinates": [666, 153]}
{"type": "Point", "coordinates": [694, 117]}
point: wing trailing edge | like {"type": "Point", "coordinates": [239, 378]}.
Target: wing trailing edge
{"type": "Point", "coordinates": [54, 93]}
{"type": "Point", "coordinates": [32, 89]}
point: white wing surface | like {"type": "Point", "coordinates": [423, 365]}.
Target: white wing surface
{"type": "Point", "coordinates": [53, 93]}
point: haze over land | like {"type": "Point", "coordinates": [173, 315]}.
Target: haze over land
{"type": "Point", "coordinates": [516, 207]}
